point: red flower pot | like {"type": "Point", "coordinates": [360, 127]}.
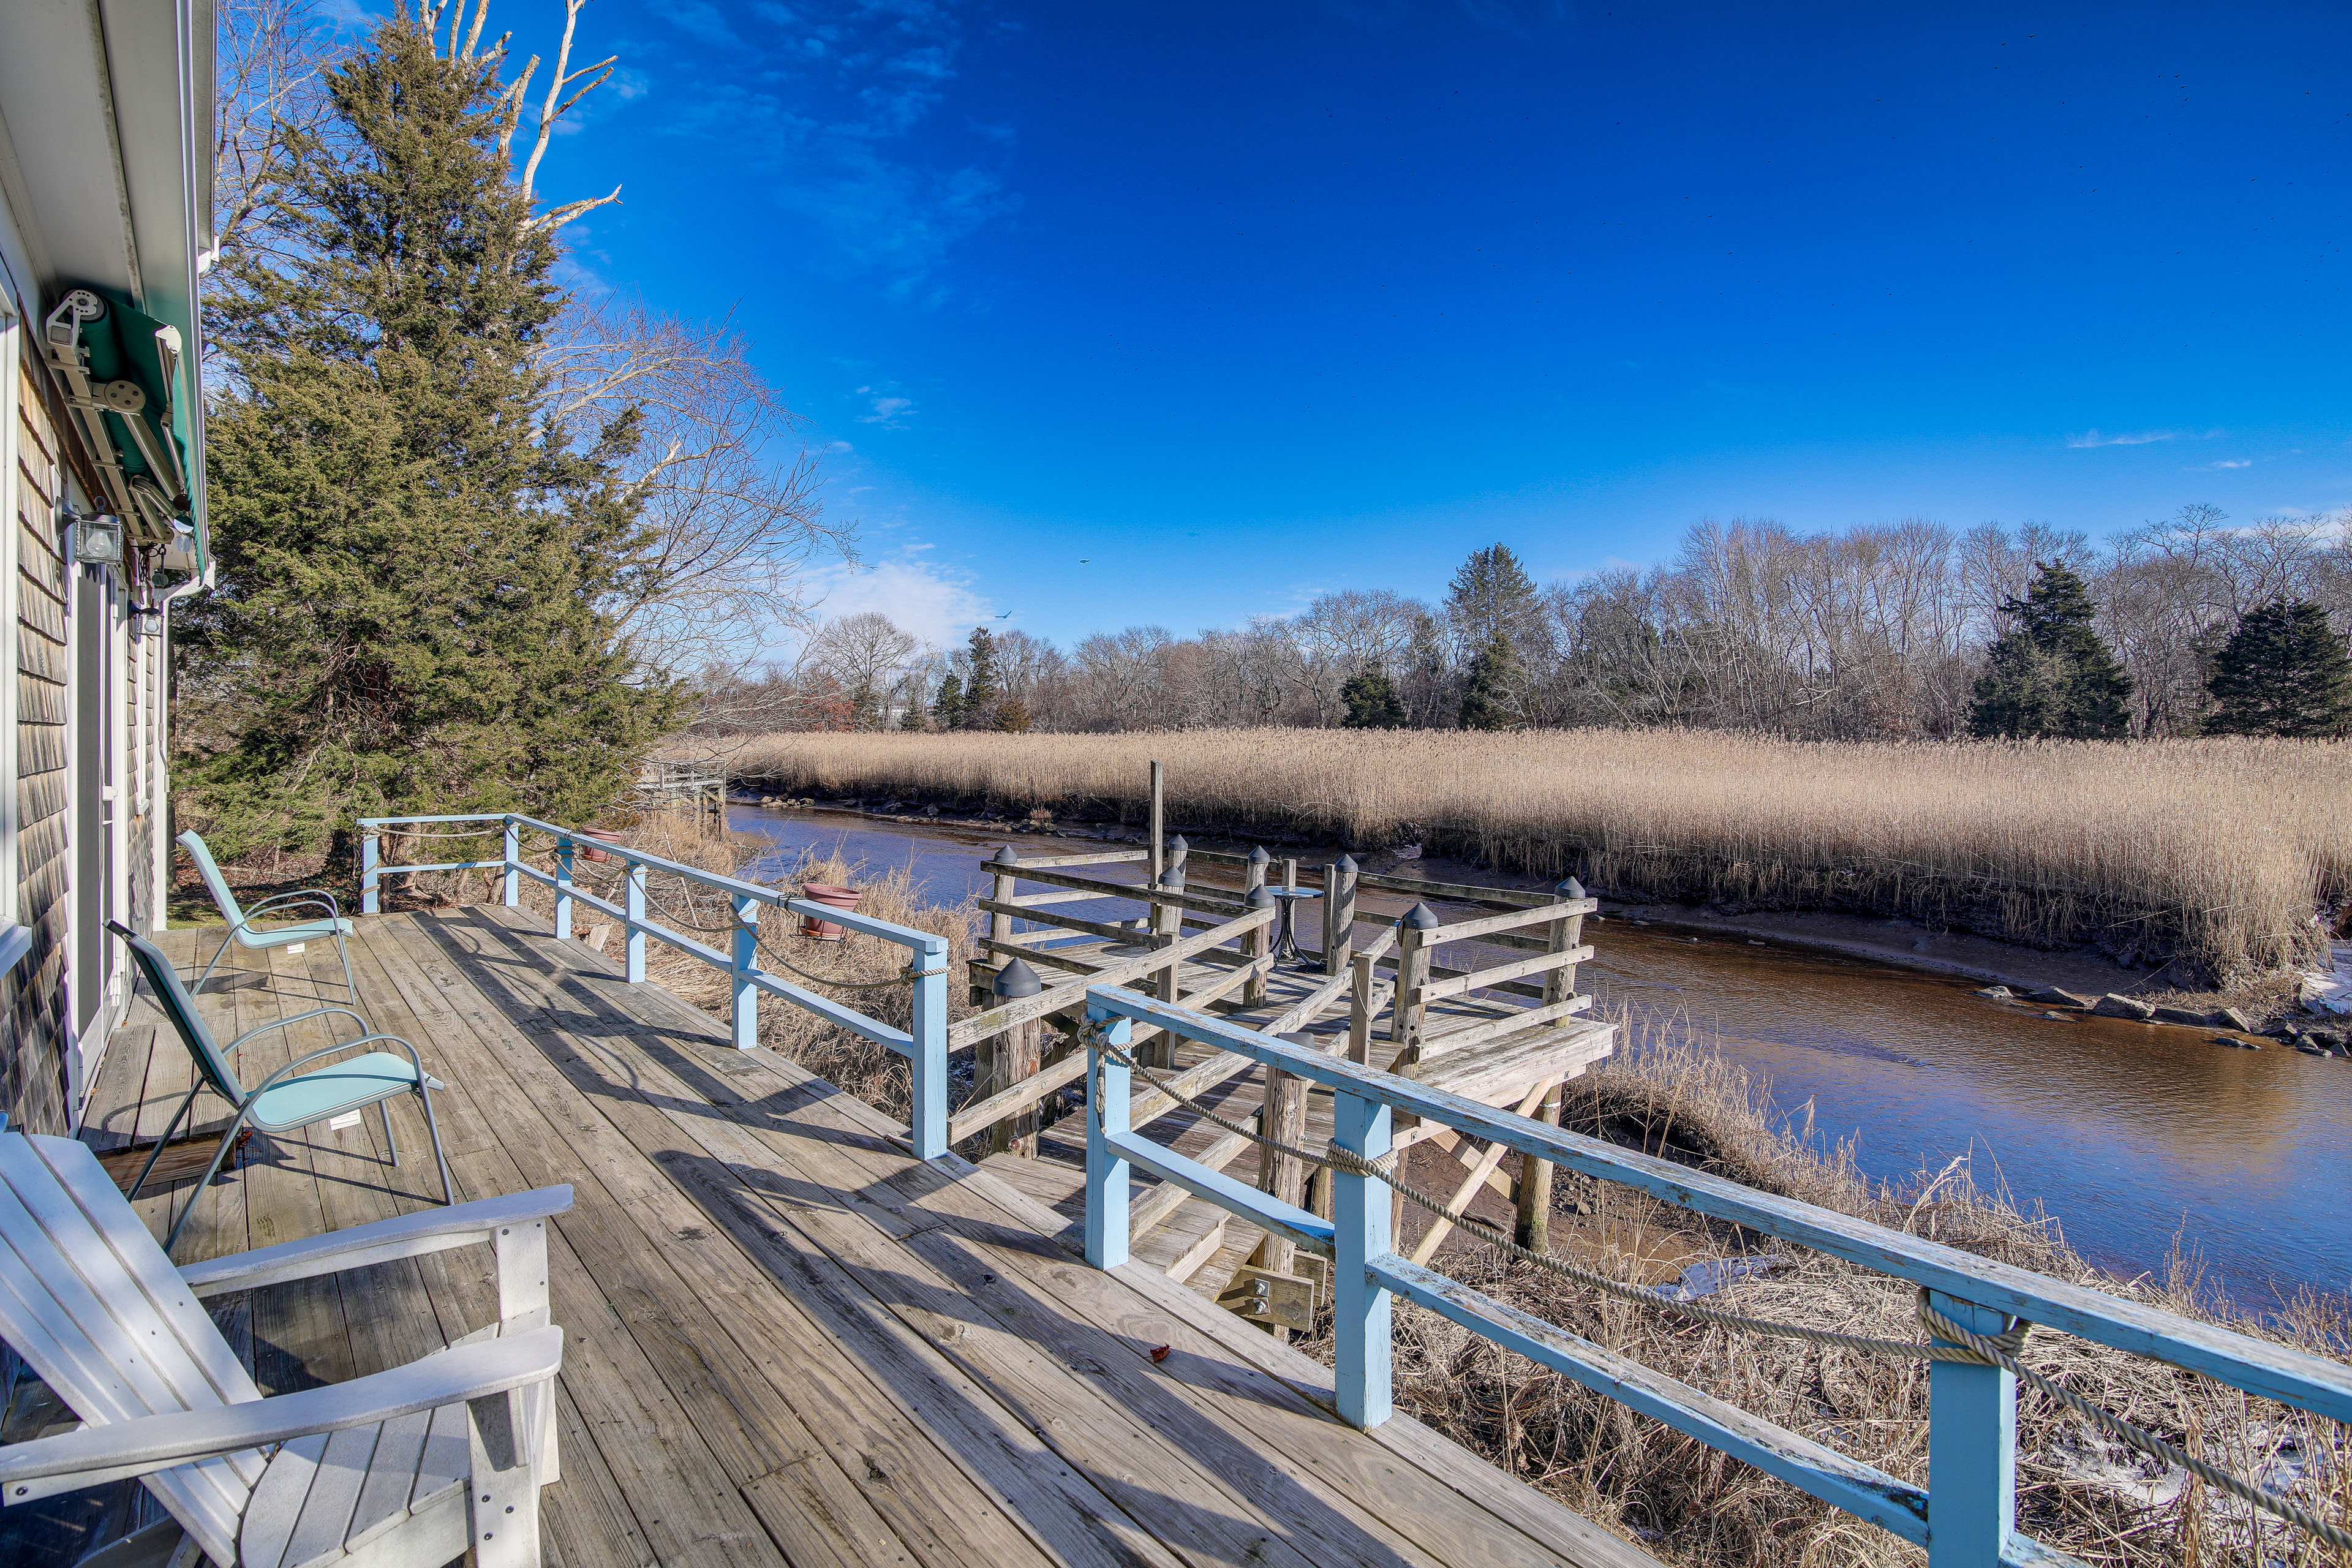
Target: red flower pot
{"type": "Point", "coordinates": [825, 893]}
{"type": "Point", "coordinates": [602, 836]}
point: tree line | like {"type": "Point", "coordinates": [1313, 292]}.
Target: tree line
{"type": "Point", "coordinates": [1910, 631]}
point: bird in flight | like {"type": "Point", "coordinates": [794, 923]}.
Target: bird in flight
{"type": "Point", "coordinates": [1086, 559]}
{"type": "Point", "coordinates": [1005, 616]}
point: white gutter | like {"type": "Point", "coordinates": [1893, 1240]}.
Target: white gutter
{"type": "Point", "coordinates": [159, 770]}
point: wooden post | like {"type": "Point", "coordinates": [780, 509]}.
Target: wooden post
{"type": "Point", "coordinates": [563, 890]}
{"type": "Point", "coordinates": [633, 941]}
{"type": "Point", "coordinates": [511, 851]}
{"type": "Point", "coordinates": [1159, 822]}
{"type": "Point", "coordinates": [927, 1128]}
{"type": "Point", "coordinates": [1177, 852]}
{"type": "Point", "coordinates": [1412, 973]}
{"type": "Point", "coordinates": [1108, 1089]}
{"type": "Point", "coordinates": [1166, 925]}
{"type": "Point", "coordinates": [1015, 1056]}
{"type": "Point", "coordinates": [370, 852]}
{"type": "Point", "coordinates": [1339, 914]}
{"type": "Point", "coordinates": [1000, 926]}
{"type": "Point", "coordinates": [1531, 1228]}
{"type": "Point", "coordinates": [1532, 1225]}
{"type": "Point", "coordinates": [1282, 1117]}
{"type": "Point", "coordinates": [746, 957]}
{"type": "Point", "coordinates": [1359, 1309]}
{"type": "Point", "coordinates": [1971, 1448]}
{"type": "Point", "coordinates": [1359, 1012]}
{"type": "Point", "coordinates": [1256, 945]}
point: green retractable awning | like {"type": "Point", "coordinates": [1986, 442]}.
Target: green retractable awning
{"type": "Point", "coordinates": [136, 390]}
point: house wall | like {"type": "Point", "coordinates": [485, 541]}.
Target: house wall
{"type": "Point", "coordinates": [34, 1079]}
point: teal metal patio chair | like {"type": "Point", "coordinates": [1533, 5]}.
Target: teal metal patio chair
{"type": "Point", "coordinates": [290, 1098]}
{"type": "Point", "coordinates": [245, 933]}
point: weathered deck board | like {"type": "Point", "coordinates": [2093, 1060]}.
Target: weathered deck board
{"type": "Point", "coordinates": [786, 1341]}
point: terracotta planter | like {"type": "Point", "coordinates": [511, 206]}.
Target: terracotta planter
{"type": "Point", "coordinates": [602, 836]}
{"type": "Point", "coordinates": [825, 893]}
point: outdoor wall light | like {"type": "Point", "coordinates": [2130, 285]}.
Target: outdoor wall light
{"type": "Point", "coordinates": [97, 541]}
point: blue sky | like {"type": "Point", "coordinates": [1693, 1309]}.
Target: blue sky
{"type": "Point", "coordinates": [1240, 303]}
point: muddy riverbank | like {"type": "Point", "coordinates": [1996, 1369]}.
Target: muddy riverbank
{"type": "Point", "coordinates": [2132, 1135]}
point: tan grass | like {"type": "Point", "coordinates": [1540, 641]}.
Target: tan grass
{"type": "Point", "coordinates": [2214, 851]}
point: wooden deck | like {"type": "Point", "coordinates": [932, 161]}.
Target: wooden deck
{"type": "Point", "coordinates": [787, 1341]}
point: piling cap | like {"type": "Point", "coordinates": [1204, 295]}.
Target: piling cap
{"type": "Point", "coordinates": [1258, 857]}
{"type": "Point", "coordinates": [1177, 845]}
{"type": "Point", "coordinates": [1347, 865]}
{"type": "Point", "coordinates": [1172, 879]}
{"type": "Point", "coordinates": [1016, 980]}
{"type": "Point", "coordinates": [1572, 889]}
{"type": "Point", "coordinates": [1421, 917]}
{"type": "Point", "coordinates": [1260, 897]}
{"type": "Point", "coordinates": [1005, 856]}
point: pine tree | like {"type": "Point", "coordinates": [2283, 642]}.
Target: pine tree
{"type": "Point", "coordinates": [2283, 672]}
{"type": "Point", "coordinates": [2050, 674]}
{"type": "Point", "coordinates": [1486, 691]}
{"type": "Point", "coordinates": [983, 689]}
{"type": "Point", "coordinates": [1372, 702]}
{"type": "Point", "coordinates": [413, 563]}
{"type": "Point", "coordinates": [948, 707]}
{"type": "Point", "coordinates": [1492, 597]}
{"type": "Point", "coordinates": [1011, 717]}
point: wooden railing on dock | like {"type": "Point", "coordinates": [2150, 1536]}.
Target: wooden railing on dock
{"type": "Point", "coordinates": [1965, 1517]}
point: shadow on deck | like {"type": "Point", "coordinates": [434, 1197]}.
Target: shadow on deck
{"type": "Point", "coordinates": [787, 1341]}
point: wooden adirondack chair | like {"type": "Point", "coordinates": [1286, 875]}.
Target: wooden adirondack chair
{"type": "Point", "coordinates": [407, 1469]}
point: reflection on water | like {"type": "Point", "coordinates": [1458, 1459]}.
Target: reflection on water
{"type": "Point", "coordinates": [2129, 1134]}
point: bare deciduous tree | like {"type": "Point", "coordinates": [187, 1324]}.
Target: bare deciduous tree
{"type": "Point", "coordinates": [726, 487]}
{"type": "Point", "coordinates": [867, 655]}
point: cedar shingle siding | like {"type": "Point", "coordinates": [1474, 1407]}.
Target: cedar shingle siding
{"type": "Point", "coordinates": [32, 997]}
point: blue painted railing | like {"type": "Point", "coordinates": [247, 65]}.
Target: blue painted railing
{"type": "Point", "coordinates": [925, 1044]}
{"type": "Point", "coordinates": [1966, 1519]}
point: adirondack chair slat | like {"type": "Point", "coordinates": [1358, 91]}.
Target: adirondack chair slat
{"type": "Point", "coordinates": [113, 1250]}
{"type": "Point", "coordinates": [390, 1479]}
{"type": "Point", "coordinates": [74, 1166]}
{"type": "Point", "coordinates": [93, 1304]}
{"type": "Point", "coordinates": [103, 1377]}
{"type": "Point", "coordinates": [276, 1506]}
{"type": "Point", "coordinates": [326, 1518]}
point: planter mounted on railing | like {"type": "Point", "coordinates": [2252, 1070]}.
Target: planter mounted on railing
{"type": "Point", "coordinates": [602, 836]}
{"type": "Point", "coordinates": [832, 897]}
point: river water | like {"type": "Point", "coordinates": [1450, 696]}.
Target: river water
{"type": "Point", "coordinates": [2131, 1136]}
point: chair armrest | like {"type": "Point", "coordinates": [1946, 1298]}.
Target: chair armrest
{"type": "Point", "coordinates": [150, 1443]}
{"type": "Point", "coordinates": [300, 895]}
{"type": "Point", "coordinates": [408, 1236]}
{"type": "Point", "coordinates": [286, 1023]}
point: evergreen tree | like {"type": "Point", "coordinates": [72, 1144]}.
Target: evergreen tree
{"type": "Point", "coordinates": [1373, 701]}
{"type": "Point", "coordinates": [1486, 691]}
{"type": "Point", "coordinates": [947, 708]}
{"type": "Point", "coordinates": [2283, 672]}
{"type": "Point", "coordinates": [2050, 674]}
{"type": "Point", "coordinates": [415, 564]}
{"type": "Point", "coordinates": [983, 688]}
{"type": "Point", "coordinates": [1492, 597]}
{"type": "Point", "coordinates": [1012, 716]}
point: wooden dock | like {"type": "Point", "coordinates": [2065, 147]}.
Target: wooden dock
{"type": "Point", "coordinates": [787, 1341]}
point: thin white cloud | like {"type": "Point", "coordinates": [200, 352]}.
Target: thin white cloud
{"type": "Point", "coordinates": [2124, 438]}
{"type": "Point", "coordinates": [934, 603]}
{"type": "Point", "coordinates": [2224, 463]}
{"type": "Point", "coordinates": [887, 409]}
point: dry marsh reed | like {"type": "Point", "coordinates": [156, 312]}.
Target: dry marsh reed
{"type": "Point", "coordinates": [1694, 1506]}
{"type": "Point", "coordinates": [2216, 853]}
